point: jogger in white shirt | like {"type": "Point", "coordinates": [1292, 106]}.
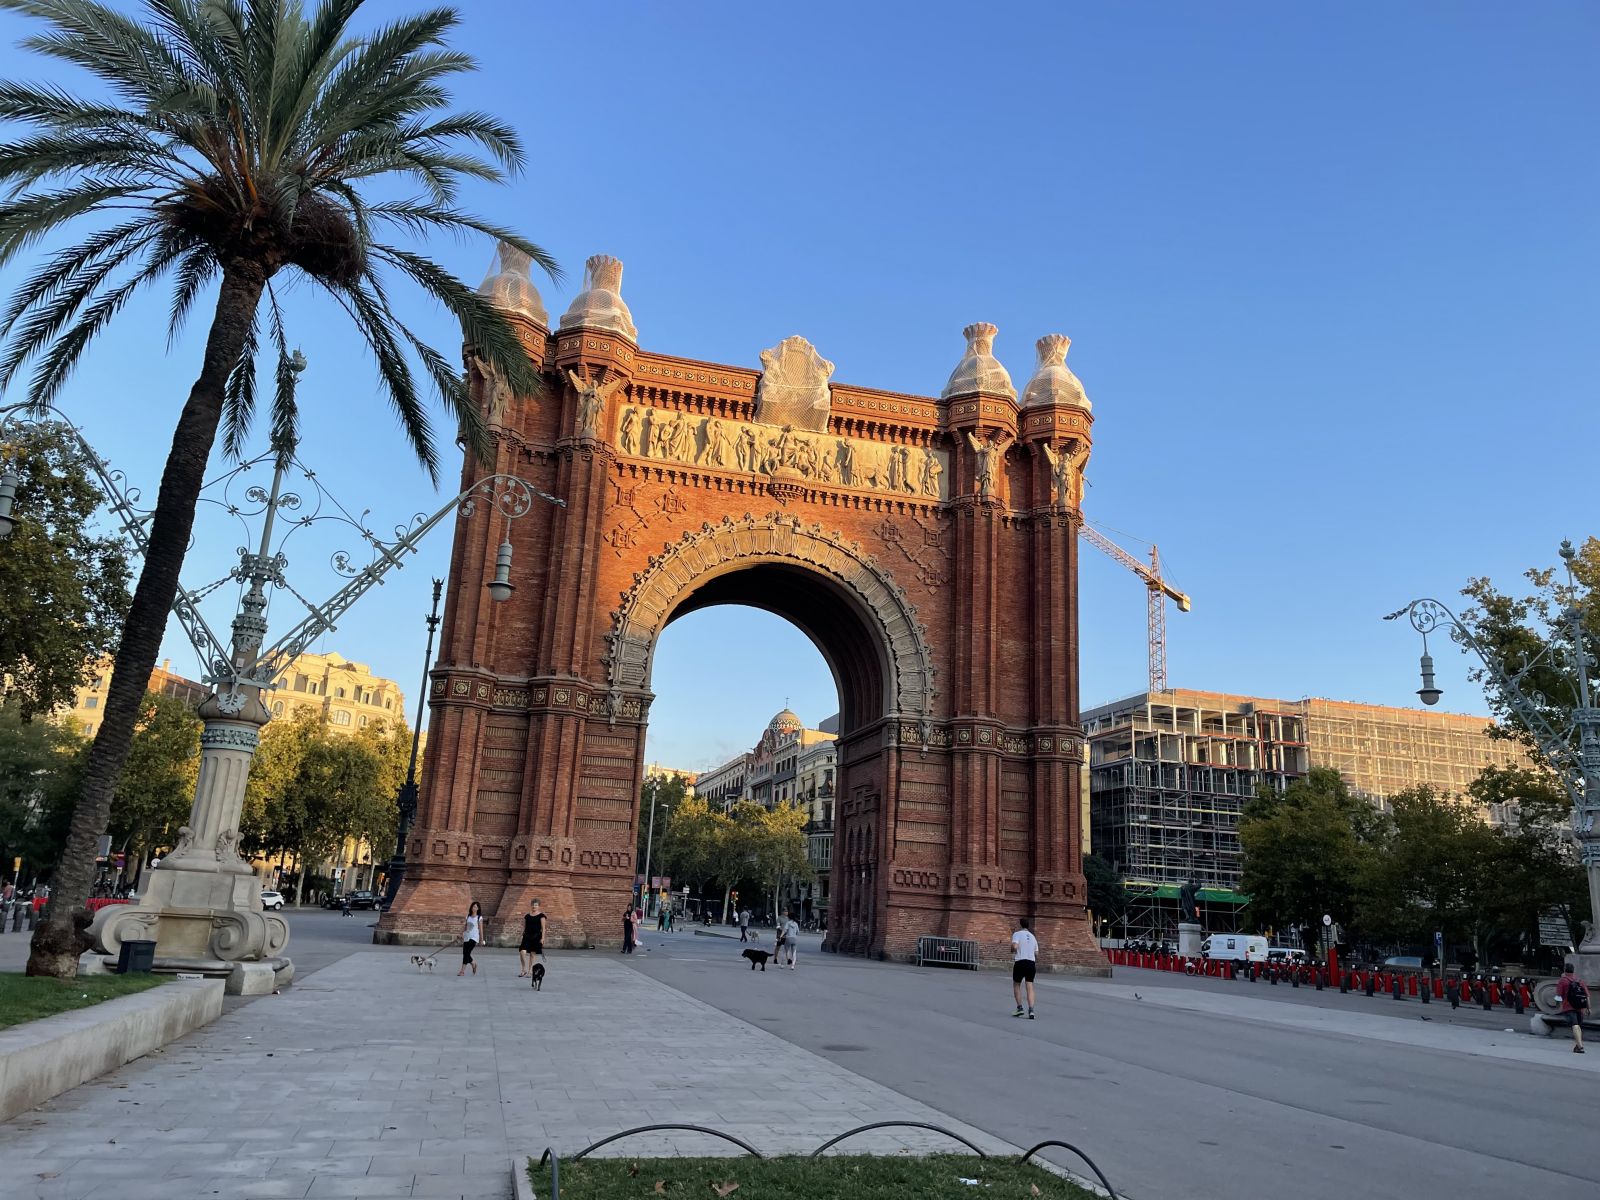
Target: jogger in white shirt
{"type": "Point", "coordinates": [1024, 963]}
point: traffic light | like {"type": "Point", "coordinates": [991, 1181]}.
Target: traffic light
{"type": "Point", "coordinates": [734, 896]}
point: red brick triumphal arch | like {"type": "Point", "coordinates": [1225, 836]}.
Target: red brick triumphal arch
{"type": "Point", "coordinates": [927, 546]}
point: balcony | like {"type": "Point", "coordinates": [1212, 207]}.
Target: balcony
{"type": "Point", "coordinates": [812, 828]}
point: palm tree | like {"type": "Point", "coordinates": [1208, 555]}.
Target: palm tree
{"type": "Point", "coordinates": [234, 141]}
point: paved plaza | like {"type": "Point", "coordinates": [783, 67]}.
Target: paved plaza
{"type": "Point", "coordinates": [367, 1079]}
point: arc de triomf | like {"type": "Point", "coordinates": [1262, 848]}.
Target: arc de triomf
{"type": "Point", "coordinates": [929, 547]}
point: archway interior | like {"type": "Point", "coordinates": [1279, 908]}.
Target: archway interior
{"type": "Point", "coordinates": [825, 614]}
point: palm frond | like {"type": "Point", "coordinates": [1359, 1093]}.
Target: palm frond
{"type": "Point", "coordinates": [239, 395]}
{"type": "Point", "coordinates": [195, 271]}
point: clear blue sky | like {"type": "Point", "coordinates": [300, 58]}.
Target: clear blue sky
{"type": "Point", "coordinates": [1329, 272]}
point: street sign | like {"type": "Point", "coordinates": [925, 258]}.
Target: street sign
{"type": "Point", "coordinates": [1553, 930]}
{"type": "Point", "coordinates": [655, 883]}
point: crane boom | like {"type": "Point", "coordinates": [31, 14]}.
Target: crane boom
{"type": "Point", "coordinates": [1159, 590]}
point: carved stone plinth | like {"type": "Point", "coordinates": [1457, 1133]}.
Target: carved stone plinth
{"type": "Point", "coordinates": [202, 904]}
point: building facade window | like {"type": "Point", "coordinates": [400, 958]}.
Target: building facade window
{"type": "Point", "coordinates": [340, 718]}
{"type": "Point", "coordinates": [277, 709]}
{"type": "Point", "coordinates": [91, 701]}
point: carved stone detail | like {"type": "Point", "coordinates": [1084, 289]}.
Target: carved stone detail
{"type": "Point", "coordinates": [793, 391]}
{"type": "Point", "coordinates": [592, 397]}
{"type": "Point", "coordinates": [600, 304]}
{"type": "Point", "coordinates": [1066, 474]}
{"type": "Point", "coordinates": [979, 370]}
{"type": "Point", "coordinates": [986, 462]}
{"type": "Point", "coordinates": [755, 448]}
{"type": "Point", "coordinates": [775, 538]}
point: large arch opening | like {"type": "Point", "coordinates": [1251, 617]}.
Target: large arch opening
{"type": "Point", "coordinates": [834, 777]}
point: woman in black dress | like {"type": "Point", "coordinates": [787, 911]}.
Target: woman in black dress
{"type": "Point", "coordinates": [627, 930]}
{"type": "Point", "coordinates": [531, 947]}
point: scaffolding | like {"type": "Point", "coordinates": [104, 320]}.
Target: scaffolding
{"type": "Point", "coordinates": [1170, 773]}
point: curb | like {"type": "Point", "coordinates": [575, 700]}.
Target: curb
{"type": "Point", "coordinates": [41, 1059]}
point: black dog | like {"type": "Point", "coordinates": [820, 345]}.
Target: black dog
{"type": "Point", "coordinates": [538, 976]}
{"type": "Point", "coordinates": [757, 956]}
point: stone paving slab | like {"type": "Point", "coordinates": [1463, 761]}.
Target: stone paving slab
{"type": "Point", "coordinates": [370, 1080]}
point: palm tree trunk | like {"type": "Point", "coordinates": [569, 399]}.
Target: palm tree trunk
{"type": "Point", "coordinates": [59, 940]}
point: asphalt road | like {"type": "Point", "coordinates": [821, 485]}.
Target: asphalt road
{"type": "Point", "coordinates": [1319, 1098]}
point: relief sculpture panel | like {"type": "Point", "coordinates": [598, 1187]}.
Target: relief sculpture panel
{"type": "Point", "coordinates": [752, 448]}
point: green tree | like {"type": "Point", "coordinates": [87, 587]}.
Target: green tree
{"type": "Point", "coordinates": [156, 790]}
{"type": "Point", "coordinates": [240, 144]}
{"type": "Point", "coordinates": [1530, 640]}
{"type": "Point", "coordinates": [668, 791]}
{"type": "Point", "coordinates": [40, 765]}
{"type": "Point", "coordinates": [63, 587]}
{"type": "Point", "coordinates": [1108, 895]}
{"type": "Point", "coordinates": [283, 746]}
{"type": "Point", "coordinates": [1432, 860]}
{"type": "Point", "coordinates": [689, 844]}
{"type": "Point", "coordinates": [1304, 851]}
{"type": "Point", "coordinates": [1537, 870]}
{"type": "Point", "coordinates": [777, 846]}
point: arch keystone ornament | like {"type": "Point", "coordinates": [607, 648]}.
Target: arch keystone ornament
{"type": "Point", "coordinates": [919, 542]}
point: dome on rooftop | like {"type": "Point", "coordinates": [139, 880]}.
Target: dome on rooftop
{"type": "Point", "coordinates": [785, 722]}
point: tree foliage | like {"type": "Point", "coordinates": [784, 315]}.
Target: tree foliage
{"type": "Point", "coordinates": [1108, 895]}
{"type": "Point", "coordinates": [40, 763]}
{"type": "Point", "coordinates": [1529, 639]}
{"type": "Point", "coordinates": [311, 789]}
{"type": "Point", "coordinates": [748, 845]}
{"type": "Point", "coordinates": [239, 145]}
{"type": "Point", "coordinates": [1304, 851]}
{"type": "Point", "coordinates": [156, 790]}
{"type": "Point", "coordinates": [63, 586]}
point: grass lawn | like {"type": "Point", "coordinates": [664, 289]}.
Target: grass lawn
{"type": "Point", "coordinates": [25, 998]}
{"type": "Point", "coordinates": [856, 1177]}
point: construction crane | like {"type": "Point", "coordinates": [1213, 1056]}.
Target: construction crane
{"type": "Point", "coordinates": [1158, 588]}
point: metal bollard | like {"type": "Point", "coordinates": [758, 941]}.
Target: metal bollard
{"type": "Point", "coordinates": [1294, 978]}
{"type": "Point", "coordinates": [1317, 975]}
{"type": "Point", "coordinates": [1372, 982]}
{"type": "Point", "coordinates": [1452, 993]}
{"type": "Point", "coordinates": [1425, 990]}
{"type": "Point", "coordinates": [1344, 983]}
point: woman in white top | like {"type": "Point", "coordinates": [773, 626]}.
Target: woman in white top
{"type": "Point", "coordinates": [471, 935]}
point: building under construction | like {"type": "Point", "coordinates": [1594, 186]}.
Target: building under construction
{"type": "Point", "coordinates": [1170, 772]}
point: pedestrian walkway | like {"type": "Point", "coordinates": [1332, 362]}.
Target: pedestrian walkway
{"type": "Point", "coordinates": [370, 1080]}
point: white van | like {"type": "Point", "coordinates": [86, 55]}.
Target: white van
{"type": "Point", "coordinates": [1234, 947]}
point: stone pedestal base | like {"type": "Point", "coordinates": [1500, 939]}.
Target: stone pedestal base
{"type": "Point", "coordinates": [1190, 936]}
{"type": "Point", "coordinates": [195, 917]}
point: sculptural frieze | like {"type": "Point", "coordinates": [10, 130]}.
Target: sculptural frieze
{"type": "Point", "coordinates": [760, 449]}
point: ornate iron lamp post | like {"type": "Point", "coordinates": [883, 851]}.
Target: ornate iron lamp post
{"type": "Point", "coordinates": [202, 904]}
{"type": "Point", "coordinates": [1569, 740]}
{"type": "Point", "coordinates": [407, 798]}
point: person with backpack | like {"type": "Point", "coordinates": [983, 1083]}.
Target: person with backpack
{"type": "Point", "coordinates": [1574, 1002]}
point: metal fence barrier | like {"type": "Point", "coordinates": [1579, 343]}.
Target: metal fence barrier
{"type": "Point", "coordinates": [552, 1160]}
{"type": "Point", "coordinates": [947, 952]}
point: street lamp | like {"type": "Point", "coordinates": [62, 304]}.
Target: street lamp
{"type": "Point", "coordinates": [1571, 746]}
{"type": "Point", "coordinates": [197, 905]}
{"type": "Point", "coordinates": [649, 844]}
{"type": "Point", "coordinates": [407, 799]}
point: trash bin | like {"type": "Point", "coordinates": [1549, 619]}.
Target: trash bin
{"type": "Point", "coordinates": [136, 956]}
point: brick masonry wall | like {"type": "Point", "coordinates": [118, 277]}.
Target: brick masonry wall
{"type": "Point", "coordinates": [966, 813]}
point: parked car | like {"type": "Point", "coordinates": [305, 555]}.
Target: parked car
{"type": "Point", "coordinates": [362, 899]}
{"type": "Point", "coordinates": [271, 900]}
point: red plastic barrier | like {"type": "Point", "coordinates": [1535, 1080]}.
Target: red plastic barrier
{"type": "Point", "coordinates": [96, 903]}
{"type": "Point", "coordinates": [1494, 993]}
